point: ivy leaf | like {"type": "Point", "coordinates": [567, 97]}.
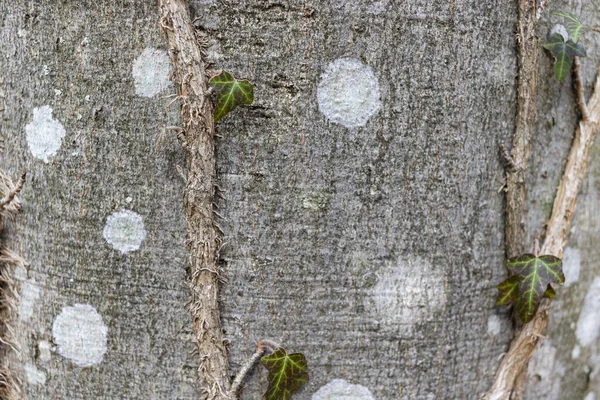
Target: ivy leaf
{"type": "Point", "coordinates": [230, 92]}
{"type": "Point", "coordinates": [573, 24]}
{"type": "Point", "coordinates": [530, 280]}
{"type": "Point", "coordinates": [508, 291]}
{"type": "Point", "coordinates": [564, 52]}
{"type": "Point", "coordinates": [287, 373]}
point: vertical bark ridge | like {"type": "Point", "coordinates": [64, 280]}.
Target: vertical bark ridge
{"type": "Point", "coordinates": [528, 44]}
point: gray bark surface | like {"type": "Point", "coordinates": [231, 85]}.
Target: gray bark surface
{"type": "Point", "coordinates": [374, 250]}
{"type": "Point", "coordinates": [563, 367]}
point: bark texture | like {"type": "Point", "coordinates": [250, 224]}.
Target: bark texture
{"type": "Point", "coordinates": [375, 250]}
{"type": "Point", "coordinates": [77, 58]}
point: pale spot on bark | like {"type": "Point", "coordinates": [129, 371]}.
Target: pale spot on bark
{"type": "Point", "coordinates": [571, 265]}
{"type": "Point", "coordinates": [576, 352]}
{"type": "Point", "coordinates": [339, 389]}
{"type": "Point", "coordinates": [360, 6]}
{"type": "Point", "coordinates": [561, 30]}
{"type": "Point", "coordinates": [151, 72]}
{"type": "Point", "coordinates": [44, 134]}
{"type": "Point", "coordinates": [348, 93]}
{"type": "Point", "coordinates": [588, 324]}
{"type": "Point", "coordinates": [30, 292]}
{"type": "Point", "coordinates": [124, 231]}
{"type": "Point", "coordinates": [408, 291]}
{"type": "Point", "coordinates": [80, 335]}
{"type": "Point", "coordinates": [34, 376]}
{"type": "Point", "coordinates": [44, 351]}
{"type": "Point", "coordinates": [590, 396]}
{"type": "Point", "coordinates": [494, 325]}
{"type": "Point", "coordinates": [545, 372]}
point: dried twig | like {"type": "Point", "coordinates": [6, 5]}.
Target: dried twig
{"type": "Point", "coordinates": [246, 368]}
{"type": "Point", "coordinates": [261, 348]}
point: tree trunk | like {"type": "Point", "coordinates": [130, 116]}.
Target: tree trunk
{"type": "Point", "coordinates": [362, 216]}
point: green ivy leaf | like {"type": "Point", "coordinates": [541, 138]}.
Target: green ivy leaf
{"type": "Point", "coordinates": [573, 24]}
{"type": "Point", "coordinates": [287, 373]}
{"type": "Point", "coordinates": [230, 93]}
{"type": "Point", "coordinates": [508, 291]}
{"type": "Point", "coordinates": [530, 280]}
{"type": "Point", "coordinates": [564, 52]}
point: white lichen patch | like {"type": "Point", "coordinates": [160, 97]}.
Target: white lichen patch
{"type": "Point", "coordinates": [348, 93]}
{"type": "Point", "coordinates": [44, 351]}
{"type": "Point", "coordinates": [588, 324]}
{"type": "Point", "coordinates": [576, 352]}
{"type": "Point", "coordinates": [124, 231]}
{"type": "Point", "coordinates": [339, 389]}
{"type": "Point", "coordinates": [44, 134]}
{"type": "Point", "coordinates": [571, 265]}
{"type": "Point", "coordinates": [494, 325]}
{"type": "Point", "coordinates": [30, 292]}
{"type": "Point", "coordinates": [34, 376]}
{"type": "Point", "coordinates": [407, 291]}
{"type": "Point", "coordinates": [561, 30]}
{"type": "Point", "coordinates": [590, 396]}
{"type": "Point", "coordinates": [80, 335]}
{"type": "Point", "coordinates": [151, 72]}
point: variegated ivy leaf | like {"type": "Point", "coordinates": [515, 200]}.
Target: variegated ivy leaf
{"type": "Point", "coordinates": [573, 24]}
{"type": "Point", "coordinates": [230, 92]}
{"type": "Point", "coordinates": [564, 52]}
{"type": "Point", "coordinates": [530, 281]}
{"type": "Point", "coordinates": [287, 373]}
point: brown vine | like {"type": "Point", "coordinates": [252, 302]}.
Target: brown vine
{"type": "Point", "coordinates": [9, 207]}
{"type": "Point", "coordinates": [203, 239]}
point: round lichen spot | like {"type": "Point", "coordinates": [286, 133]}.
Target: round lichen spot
{"type": "Point", "coordinates": [339, 389]}
{"type": "Point", "coordinates": [44, 134]}
{"type": "Point", "coordinates": [348, 93]}
{"type": "Point", "coordinates": [494, 325]}
{"type": "Point", "coordinates": [124, 231]}
{"type": "Point", "coordinates": [80, 335]}
{"type": "Point", "coordinates": [151, 72]}
{"type": "Point", "coordinates": [408, 291]}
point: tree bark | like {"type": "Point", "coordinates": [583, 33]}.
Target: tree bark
{"type": "Point", "coordinates": [373, 247]}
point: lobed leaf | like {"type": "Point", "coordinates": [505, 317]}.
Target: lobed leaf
{"type": "Point", "coordinates": [573, 24]}
{"type": "Point", "coordinates": [563, 52]}
{"type": "Point", "coordinates": [508, 291]}
{"type": "Point", "coordinates": [530, 281]}
{"type": "Point", "coordinates": [230, 92]}
{"type": "Point", "coordinates": [287, 373]}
